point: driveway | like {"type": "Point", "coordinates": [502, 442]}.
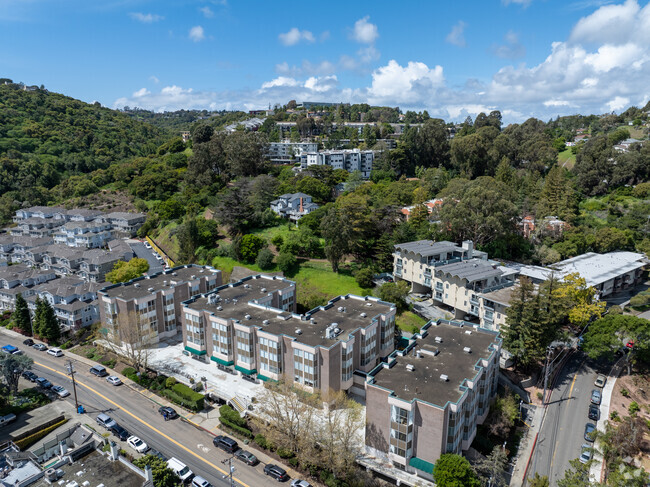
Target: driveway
{"type": "Point", "coordinates": [144, 253]}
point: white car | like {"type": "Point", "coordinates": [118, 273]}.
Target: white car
{"type": "Point", "coordinates": [147, 245]}
{"type": "Point", "coordinates": [57, 352]}
{"type": "Point", "coordinates": [113, 380]}
{"type": "Point", "coordinates": [137, 444]}
{"type": "Point", "coordinates": [61, 391]}
{"type": "Point", "coordinates": [300, 483]}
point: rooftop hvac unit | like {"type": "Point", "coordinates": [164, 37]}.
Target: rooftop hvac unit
{"type": "Point", "coordinates": [50, 474]}
{"type": "Point", "coordinates": [438, 339]}
{"type": "Point", "coordinates": [263, 289]}
{"type": "Point", "coordinates": [265, 322]}
{"type": "Point", "coordinates": [467, 350]}
{"type": "Point", "coordinates": [418, 354]}
{"type": "Point", "coordinates": [164, 283]}
{"type": "Point", "coordinates": [312, 321]}
{"type": "Point", "coordinates": [298, 331]}
{"type": "Point", "coordinates": [368, 304]}
{"type": "Point", "coordinates": [219, 308]}
{"type": "Point", "coordinates": [410, 367]}
{"type": "Point", "coordinates": [234, 300]}
{"type": "Point", "coordinates": [363, 315]}
{"type": "Point", "coordinates": [444, 377]}
{"type": "Point", "coordinates": [192, 277]}
{"type": "Point", "coordinates": [247, 286]}
{"type": "Point", "coordinates": [136, 284]}
{"type": "Point", "coordinates": [340, 308]}
{"type": "Point", "coordinates": [174, 274]}
{"type": "Point", "coordinates": [468, 332]}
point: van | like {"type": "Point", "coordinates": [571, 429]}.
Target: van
{"type": "Point", "coordinates": [105, 420]}
{"type": "Point", "coordinates": [180, 469]}
{"type": "Point", "coordinates": [57, 352]}
{"type": "Point", "coordinates": [99, 370]}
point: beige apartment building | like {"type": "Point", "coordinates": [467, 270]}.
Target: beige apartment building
{"type": "Point", "coordinates": [429, 398]}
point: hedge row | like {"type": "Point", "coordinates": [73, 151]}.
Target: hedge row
{"type": "Point", "coordinates": [28, 441]}
{"type": "Point", "coordinates": [229, 414]}
{"type": "Point", "coordinates": [178, 399]}
{"type": "Point", "coordinates": [188, 394]}
{"type": "Point", "coordinates": [38, 428]}
{"type": "Point", "coordinates": [242, 431]}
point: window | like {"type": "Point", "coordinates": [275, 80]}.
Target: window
{"type": "Point", "coordinates": [305, 368]}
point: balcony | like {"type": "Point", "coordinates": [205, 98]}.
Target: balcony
{"type": "Point", "coordinates": [445, 262]}
{"type": "Point", "coordinates": [498, 286]}
{"type": "Point", "coordinates": [473, 299]}
{"type": "Point", "coordinates": [439, 286]}
{"type": "Point", "coordinates": [438, 296]}
{"type": "Point", "coordinates": [427, 280]}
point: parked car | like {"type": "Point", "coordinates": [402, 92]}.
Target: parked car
{"type": "Point", "coordinates": [596, 397]}
{"type": "Point", "coordinates": [137, 444]}
{"type": "Point", "coordinates": [278, 473]}
{"type": "Point", "coordinates": [247, 457]}
{"type": "Point", "coordinates": [156, 453]}
{"type": "Point", "coordinates": [199, 481]}
{"type": "Point", "coordinates": [105, 420]}
{"type": "Point", "coordinates": [43, 382]}
{"type": "Point", "coordinates": [9, 349]}
{"type": "Point", "coordinates": [594, 412]}
{"type": "Point", "coordinates": [4, 420]}
{"type": "Point", "coordinates": [300, 483]}
{"type": "Point", "coordinates": [30, 376]}
{"type": "Point", "coordinates": [600, 380]}
{"type": "Point", "coordinates": [111, 379]}
{"type": "Point", "coordinates": [586, 452]}
{"type": "Point", "coordinates": [29, 342]}
{"type": "Point", "coordinates": [17, 351]}
{"type": "Point", "coordinates": [147, 245]}
{"type": "Point", "coordinates": [57, 352]}
{"type": "Point", "coordinates": [99, 370]}
{"type": "Point", "coordinates": [41, 347]}
{"type": "Point", "coordinates": [225, 443]}
{"type": "Point", "coordinates": [61, 391]}
{"type": "Point", "coordinates": [171, 412]}
{"type": "Point", "coordinates": [119, 431]}
{"type": "Point", "coordinates": [180, 469]}
{"type": "Point", "coordinates": [590, 429]}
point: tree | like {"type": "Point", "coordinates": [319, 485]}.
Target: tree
{"type": "Point", "coordinates": [132, 337]}
{"type": "Point", "coordinates": [46, 322]}
{"type": "Point", "coordinates": [188, 240]}
{"type": "Point", "coordinates": [286, 262]}
{"type": "Point", "coordinates": [21, 316]}
{"type": "Point", "coordinates": [576, 476]}
{"type": "Point", "coordinates": [364, 277]}
{"type": "Point", "coordinates": [234, 210]}
{"type": "Point", "coordinates": [125, 271]}
{"type": "Point", "coordinates": [245, 153]}
{"type": "Point", "coordinates": [492, 470]}
{"type": "Point", "coordinates": [303, 243]}
{"type": "Point", "coordinates": [11, 368]}
{"type": "Point", "coordinates": [250, 246]}
{"type": "Point", "coordinates": [395, 292]}
{"type": "Point", "coordinates": [264, 259]}
{"type": "Point", "coordinates": [582, 298]}
{"type": "Point", "coordinates": [503, 415]}
{"type": "Point", "coordinates": [453, 470]}
{"type": "Point", "coordinates": [538, 481]}
{"type": "Point", "coordinates": [432, 144]}
{"type": "Point", "coordinates": [336, 231]}
{"type": "Point", "coordinates": [163, 476]}
{"type": "Point", "coordinates": [558, 196]}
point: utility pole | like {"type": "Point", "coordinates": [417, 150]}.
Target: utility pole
{"type": "Point", "coordinates": [546, 374]}
{"type": "Point", "coordinates": [231, 469]}
{"type": "Point", "coordinates": [71, 372]}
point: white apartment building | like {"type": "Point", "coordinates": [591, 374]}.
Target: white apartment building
{"type": "Point", "coordinates": [289, 152]}
{"type": "Point", "coordinates": [347, 159]}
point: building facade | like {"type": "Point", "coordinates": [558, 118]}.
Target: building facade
{"type": "Point", "coordinates": [293, 206]}
{"type": "Point", "coordinates": [289, 152]}
{"type": "Point", "coordinates": [347, 159]}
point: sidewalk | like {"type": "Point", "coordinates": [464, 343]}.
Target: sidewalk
{"type": "Point", "coordinates": [527, 448]}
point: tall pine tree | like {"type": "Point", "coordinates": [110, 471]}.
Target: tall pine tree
{"type": "Point", "coordinates": [50, 328]}
{"type": "Point", "coordinates": [36, 324]}
{"type": "Point", "coordinates": [22, 319]}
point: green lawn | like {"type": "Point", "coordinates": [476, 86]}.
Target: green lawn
{"type": "Point", "coordinates": [410, 322]}
{"type": "Point", "coordinates": [566, 158]}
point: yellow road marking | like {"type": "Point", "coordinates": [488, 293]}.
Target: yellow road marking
{"type": "Point", "coordinates": [573, 383]}
{"type": "Point", "coordinates": [223, 472]}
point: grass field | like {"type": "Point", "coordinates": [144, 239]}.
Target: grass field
{"type": "Point", "coordinates": [566, 158]}
{"type": "Point", "coordinates": [410, 322]}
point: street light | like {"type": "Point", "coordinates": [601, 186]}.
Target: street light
{"type": "Point", "coordinates": [231, 469]}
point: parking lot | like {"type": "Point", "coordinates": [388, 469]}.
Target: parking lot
{"type": "Point", "coordinates": [143, 252]}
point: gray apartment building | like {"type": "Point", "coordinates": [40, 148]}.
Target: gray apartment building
{"type": "Point", "coordinates": [155, 300]}
{"type": "Point", "coordinates": [250, 326]}
{"type": "Point", "coordinates": [428, 399]}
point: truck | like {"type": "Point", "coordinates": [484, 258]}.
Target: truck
{"type": "Point", "coordinates": [6, 419]}
{"type": "Point", "coordinates": [180, 469]}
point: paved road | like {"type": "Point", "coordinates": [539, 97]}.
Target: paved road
{"type": "Point", "coordinates": [562, 432]}
{"type": "Point", "coordinates": [144, 253]}
{"type": "Point", "coordinates": [140, 417]}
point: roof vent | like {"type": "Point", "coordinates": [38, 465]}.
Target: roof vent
{"type": "Point", "coordinates": [312, 321]}
{"type": "Point", "coordinates": [265, 322]}
{"type": "Point", "coordinates": [444, 377]}
{"type": "Point", "coordinates": [174, 274]}
{"type": "Point", "coordinates": [468, 332]}
{"type": "Point", "coordinates": [219, 308]}
{"type": "Point", "coordinates": [418, 354]}
{"type": "Point", "coordinates": [298, 331]}
{"type": "Point", "coordinates": [164, 283]}
{"type": "Point", "coordinates": [137, 284]}
{"type": "Point", "coordinates": [150, 289]}
{"type": "Point", "coordinates": [467, 350]}
{"type": "Point", "coordinates": [234, 300]}
{"type": "Point", "coordinates": [368, 304]}
{"type": "Point", "coordinates": [263, 289]}
{"type": "Point", "coordinates": [248, 317]}
{"type": "Point", "coordinates": [438, 339]}
{"type": "Point", "coordinates": [410, 367]}
{"type": "Point", "coordinates": [247, 286]}
{"type": "Point", "coordinates": [341, 308]}
{"type": "Point", "coordinates": [192, 277]}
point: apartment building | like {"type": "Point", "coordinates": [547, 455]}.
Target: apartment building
{"type": "Point", "coordinates": [250, 326]}
{"type": "Point", "coordinates": [155, 300]}
{"type": "Point", "coordinates": [84, 234]}
{"type": "Point", "coordinates": [13, 249]}
{"type": "Point", "coordinates": [607, 273]}
{"type": "Point", "coordinates": [293, 206]}
{"type": "Point", "coordinates": [429, 398]}
{"type": "Point", "coordinates": [347, 159]}
{"type": "Point", "coordinates": [20, 279]}
{"type": "Point", "coordinates": [289, 152]}
{"type": "Point", "coordinates": [35, 227]}
{"type": "Point", "coordinates": [494, 304]}
{"type": "Point", "coordinates": [125, 224]}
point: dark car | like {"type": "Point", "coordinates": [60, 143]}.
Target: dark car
{"type": "Point", "coordinates": [30, 376]}
{"type": "Point", "coordinates": [29, 342]}
{"type": "Point", "coordinates": [171, 412]}
{"type": "Point", "coordinates": [40, 347]}
{"type": "Point", "coordinates": [226, 444]}
{"type": "Point", "coordinates": [120, 432]}
{"type": "Point", "coordinates": [43, 382]}
{"type": "Point", "coordinates": [278, 473]}
{"type": "Point", "coordinates": [594, 412]}
{"type": "Point", "coordinates": [247, 457]}
{"type": "Point", "coordinates": [590, 432]}
{"type": "Point", "coordinates": [156, 453]}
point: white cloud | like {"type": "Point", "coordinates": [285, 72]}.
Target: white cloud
{"type": "Point", "coordinates": [154, 79]}
{"type": "Point", "coordinates": [457, 35]}
{"type": "Point", "coordinates": [368, 54]}
{"type": "Point", "coordinates": [365, 32]}
{"type": "Point", "coordinates": [322, 85]}
{"type": "Point", "coordinates": [413, 83]}
{"type": "Point", "coordinates": [280, 81]}
{"type": "Point", "coordinates": [197, 33]}
{"type": "Point", "coordinates": [324, 35]}
{"type": "Point", "coordinates": [295, 35]}
{"type": "Point", "coordinates": [145, 18]}
{"type": "Point", "coordinates": [207, 12]}
{"type": "Point", "coordinates": [557, 103]}
{"type": "Point", "coordinates": [618, 103]}
{"type": "Point", "coordinates": [512, 49]}
{"type": "Point", "coordinates": [141, 92]}
{"type": "Point", "coordinates": [613, 24]}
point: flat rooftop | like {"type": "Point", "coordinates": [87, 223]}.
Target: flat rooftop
{"type": "Point", "coordinates": [502, 296]}
{"type": "Point", "coordinates": [423, 382]}
{"type": "Point", "coordinates": [145, 286]}
{"type": "Point", "coordinates": [472, 270]}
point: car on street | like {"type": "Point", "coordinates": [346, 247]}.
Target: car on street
{"type": "Point", "coordinates": [594, 412]}
{"type": "Point", "coordinates": [29, 342]}
{"type": "Point", "coordinates": [147, 245]}
{"type": "Point", "coordinates": [225, 443]}
{"type": "Point", "coordinates": [99, 370]}
{"type": "Point", "coordinates": [43, 382]}
{"type": "Point", "coordinates": [105, 420]}
{"type": "Point", "coordinates": [300, 483]}
{"type": "Point", "coordinates": [600, 380]}
{"type": "Point", "coordinates": [586, 452]}
{"type": "Point", "coordinates": [17, 351]}
{"type": "Point", "coordinates": [278, 473]}
{"type": "Point", "coordinates": [111, 379]}
{"type": "Point", "coordinates": [9, 349]}
{"type": "Point", "coordinates": [30, 376]}
{"type": "Point", "coordinates": [41, 347]}
{"type": "Point", "coordinates": [57, 352]}
{"type": "Point", "coordinates": [199, 481]}
{"type": "Point", "coordinates": [61, 391]}
{"type": "Point", "coordinates": [120, 432]}
{"type": "Point", "coordinates": [596, 397]}
{"type": "Point", "coordinates": [137, 444]}
{"type": "Point", "coordinates": [156, 453]}
{"type": "Point", "coordinates": [171, 412]}
{"type": "Point", "coordinates": [247, 457]}
{"type": "Point", "coordinates": [590, 432]}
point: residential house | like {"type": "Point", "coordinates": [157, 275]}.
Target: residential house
{"type": "Point", "coordinates": [20, 279]}
{"type": "Point", "coordinates": [624, 146]}
{"type": "Point", "coordinates": [252, 125]}
{"type": "Point", "coordinates": [432, 207]}
{"type": "Point", "coordinates": [125, 224]}
{"type": "Point", "coordinates": [85, 234]}
{"type": "Point", "coordinates": [96, 263]}
{"type": "Point", "coordinates": [550, 225]}
{"type": "Point", "coordinates": [293, 206]}
{"type": "Point", "coordinates": [35, 227]}
{"type": "Point", "coordinates": [12, 248]}
{"type": "Point", "coordinates": [37, 212]}
{"type": "Point", "coordinates": [429, 398]}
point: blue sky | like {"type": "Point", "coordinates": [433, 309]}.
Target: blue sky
{"type": "Point", "coordinates": [524, 57]}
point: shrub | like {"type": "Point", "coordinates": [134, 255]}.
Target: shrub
{"type": "Point", "coordinates": [242, 431]}
{"type": "Point", "coordinates": [170, 382]}
{"type": "Point", "coordinates": [198, 387]}
{"type": "Point", "coordinates": [285, 453]}
{"type": "Point", "coordinates": [286, 262]}
{"type": "Point", "coordinates": [110, 363]}
{"type": "Point", "coordinates": [364, 277]}
{"type": "Point", "coordinates": [633, 408]}
{"type": "Point", "coordinates": [90, 353]}
{"type": "Point", "coordinates": [250, 246]}
{"type": "Point", "coordinates": [613, 415]}
{"type": "Point", "coordinates": [66, 345]}
{"type": "Point", "coordinates": [261, 441]}
{"type": "Point", "coordinates": [293, 461]}
{"type": "Point", "coordinates": [625, 392]}
{"type": "Point", "coordinates": [26, 442]}
{"type": "Point", "coordinates": [277, 240]}
{"type": "Point", "coordinates": [192, 399]}
{"type": "Point", "coordinates": [264, 259]}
